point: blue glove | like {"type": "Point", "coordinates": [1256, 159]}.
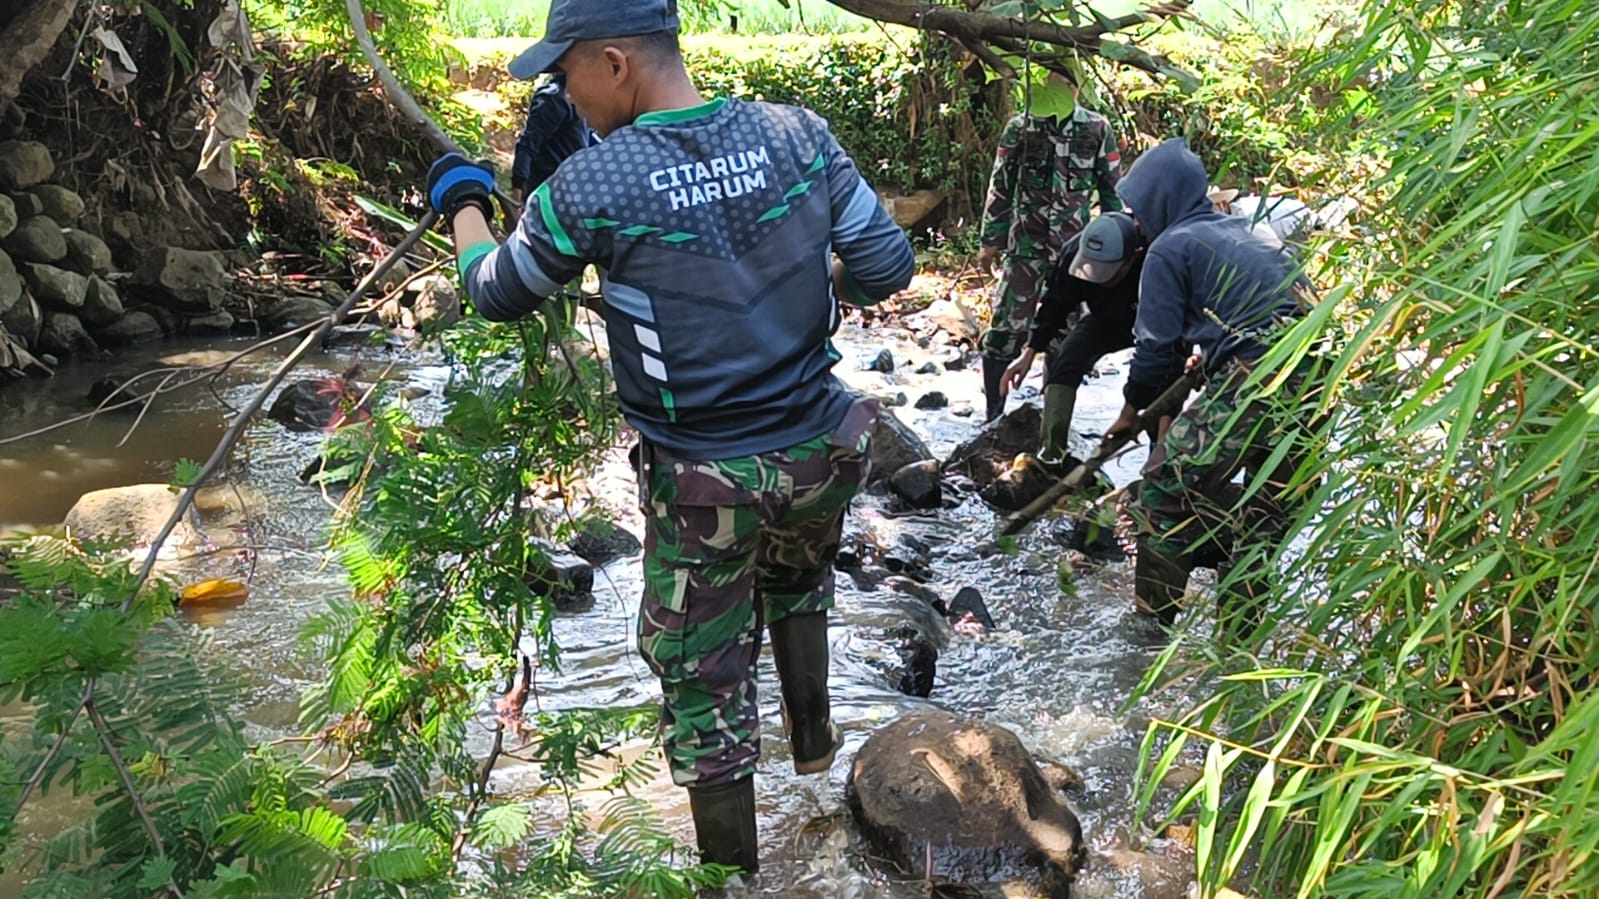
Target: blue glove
{"type": "Point", "coordinates": [455, 181]}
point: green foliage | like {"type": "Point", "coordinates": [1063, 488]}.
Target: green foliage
{"type": "Point", "coordinates": [907, 113]}
{"type": "Point", "coordinates": [409, 39]}
{"type": "Point", "coordinates": [518, 18]}
{"type": "Point", "coordinates": [1417, 719]}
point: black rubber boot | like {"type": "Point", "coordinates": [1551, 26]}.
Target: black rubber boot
{"type": "Point", "coordinates": [799, 646]}
{"type": "Point", "coordinates": [1158, 584]}
{"type": "Point", "coordinates": [724, 824]}
{"type": "Point", "coordinates": [993, 373]}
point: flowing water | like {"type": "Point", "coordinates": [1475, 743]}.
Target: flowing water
{"type": "Point", "coordinates": [1056, 669]}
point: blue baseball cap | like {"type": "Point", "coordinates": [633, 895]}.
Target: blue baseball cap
{"type": "Point", "coordinates": [571, 21]}
{"type": "Point", "coordinates": [1104, 245]}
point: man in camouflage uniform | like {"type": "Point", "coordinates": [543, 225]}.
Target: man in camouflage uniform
{"type": "Point", "coordinates": [1047, 171]}
{"type": "Point", "coordinates": [714, 226]}
{"type": "Point", "coordinates": [1208, 281]}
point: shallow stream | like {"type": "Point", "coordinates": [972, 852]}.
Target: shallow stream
{"type": "Point", "coordinates": [1056, 669]}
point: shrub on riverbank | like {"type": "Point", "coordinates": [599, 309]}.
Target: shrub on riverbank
{"type": "Point", "coordinates": [1415, 718]}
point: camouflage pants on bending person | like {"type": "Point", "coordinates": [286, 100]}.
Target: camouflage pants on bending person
{"type": "Point", "coordinates": [730, 546]}
{"type": "Point", "coordinates": [1021, 285]}
{"type": "Point", "coordinates": [1192, 512]}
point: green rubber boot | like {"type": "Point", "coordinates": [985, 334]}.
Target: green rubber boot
{"type": "Point", "coordinates": [724, 824]}
{"type": "Point", "coordinates": [1059, 400]}
{"type": "Point", "coordinates": [799, 646]}
{"type": "Point", "coordinates": [1158, 584]}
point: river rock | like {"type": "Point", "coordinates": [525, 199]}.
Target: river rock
{"type": "Point", "coordinates": [58, 202]}
{"type": "Point", "coordinates": [110, 390]}
{"type": "Point", "coordinates": [969, 791]}
{"type": "Point", "coordinates": [894, 446]}
{"type": "Point", "coordinates": [135, 514]}
{"type": "Point", "coordinates": [952, 318]}
{"type": "Point", "coordinates": [56, 288]}
{"type": "Point", "coordinates": [438, 303]}
{"type": "Point", "coordinates": [882, 362]}
{"type": "Point", "coordinates": [932, 400]}
{"type": "Point", "coordinates": [565, 578]}
{"type": "Point", "coordinates": [353, 336]}
{"type": "Point", "coordinates": [24, 319]}
{"type": "Point", "coordinates": [27, 205]}
{"type": "Point", "coordinates": [987, 455]}
{"type": "Point", "coordinates": [37, 239]}
{"type": "Point", "coordinates": [969, 601]}
{"type": "Point", "coordinates": [63, 334]}
{"type": "Point", "coordinates": [24, 163]}
{"type": "Point", "coordinates": [8, 216]}
{"type": "Point", "coordinates": [1016, 487]}
{"type": "Point", "coordinates": [137, 326]}
{"type": "Point", "coordinates": [86, 253]}
{"type": "Point", "coordinates": [184, 280]}
{"type": "Point", "coordinates": [912, 210]}
{"type": "Point", "coordinates": [315, 404]}
{"type": "Point", "coordinates": [918, 657]}
{"type": "Point", "coordinates": [216, 324]}
{"type": "Point", "coordinates": [292, 312]}
{"type": "Point", "coordinates": [10, 283]}
{"type": "Point", "coordinates": [918, 484]}
{"type": "Point", "coordinates": [598, 542]}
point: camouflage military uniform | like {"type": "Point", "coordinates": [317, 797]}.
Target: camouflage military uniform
{"type": "Point", "coordinates": [731, 546]}
{"type": "Point", "coordinates": [1190, 510]}
{"type": "Point", "coordinates": [1046, 172]}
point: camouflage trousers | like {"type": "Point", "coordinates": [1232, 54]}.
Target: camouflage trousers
{"type": "Point", "coordinates": [1021, 285]}
{"type": "Point", "coordinates": [1190, 510]}
{"type": "Point", "coordinates": [730, 546]}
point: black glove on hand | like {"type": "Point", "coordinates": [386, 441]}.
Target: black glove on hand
{"type": "Point", "coordinates": [455, 181]}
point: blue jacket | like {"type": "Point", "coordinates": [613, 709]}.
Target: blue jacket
{"type": "Point", "coordinates": [714, 230]}
{"type": "Point", "coordinates": [553, 131]}
{"type": "Point", "coordinates": [1207, 280]}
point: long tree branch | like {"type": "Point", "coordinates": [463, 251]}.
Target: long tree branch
{"type": "Point", "coordinates": [970, 27]}
{"type": "Point", "coordinates": [126, 776]}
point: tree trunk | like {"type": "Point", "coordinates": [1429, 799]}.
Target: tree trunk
{"type": "Point", "coordinates": [29, 33]}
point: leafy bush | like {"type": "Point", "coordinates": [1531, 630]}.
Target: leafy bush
{"type": "Point", "coordinates": [1416, 719]}
{"type": "Point", "coordinates": [910, 116]}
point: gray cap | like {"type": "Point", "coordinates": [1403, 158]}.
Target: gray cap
{"type": "Point", "coordinates": [571, 21]}
{"type": "Point", "coordinates": [1104, 245]}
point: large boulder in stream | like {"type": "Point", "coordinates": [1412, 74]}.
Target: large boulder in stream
{"type": "Point", "coordinates": [317, 404]}
{"type": "Point", "coordinates": [894, 446]}
{"type": "Point", "coordinates": [968, 791]}
{"type": "Point", "coordinates": [134, 514]}
{"type": "Point", "coordinates": [989, 453]}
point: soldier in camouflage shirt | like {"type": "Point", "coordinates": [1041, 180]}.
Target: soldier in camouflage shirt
{"type": "Point", "coordinates": [1046, 173]}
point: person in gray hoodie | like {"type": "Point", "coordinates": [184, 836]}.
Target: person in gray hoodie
{"type": "Point", "coordinates": [1207, 282]}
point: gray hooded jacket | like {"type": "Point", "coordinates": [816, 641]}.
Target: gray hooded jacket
{"type": "Point", "coordinates": [1206, 280]}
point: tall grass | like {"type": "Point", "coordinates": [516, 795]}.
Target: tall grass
{"type": "Point", "coordinates": [1416, 718]}
{"type": "Point", "coordinates": [516, 18]}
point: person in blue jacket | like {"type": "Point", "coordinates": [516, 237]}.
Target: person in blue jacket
{"type": "Point", "coordinates": [1207, 281]}
{"type": "Point", "coordinates": [553, 131]}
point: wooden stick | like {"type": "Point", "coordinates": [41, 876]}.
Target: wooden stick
{"type": "Point", "coordinates": [1168, 403]}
